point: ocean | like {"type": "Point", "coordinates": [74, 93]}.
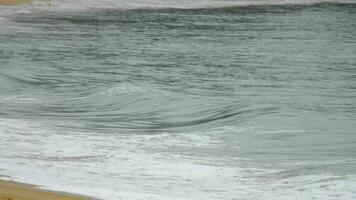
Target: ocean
{"type": "Point", "coordinates": [180, 99]}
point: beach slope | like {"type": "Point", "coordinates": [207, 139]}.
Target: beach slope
{"type": "Point", "coordinates": [16, 191]}
{"type": "Point", "coordinates": [13, 2]}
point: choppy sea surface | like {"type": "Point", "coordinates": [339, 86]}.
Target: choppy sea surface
{"type": "Point", "coordinates": [213, 100]}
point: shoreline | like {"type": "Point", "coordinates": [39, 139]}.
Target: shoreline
{"type": "Point", "coordinates": [10, 190]}
{"type": "Point", "coordinates": [13, 2]}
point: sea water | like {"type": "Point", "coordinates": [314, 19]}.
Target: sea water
{"type": "Point", "coordinates": [206, 99]}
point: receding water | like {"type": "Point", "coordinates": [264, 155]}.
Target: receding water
{"type": "Point", "coordinates": [180, 100]}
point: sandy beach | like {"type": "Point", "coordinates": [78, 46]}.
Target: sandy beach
{"type": "Point", "coordinates": [17, 191]}
{"type": "Point", "coordinates": [13, 2]}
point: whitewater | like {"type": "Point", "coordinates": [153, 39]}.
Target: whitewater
{"type": "Point", "coordinates": [205, 99]}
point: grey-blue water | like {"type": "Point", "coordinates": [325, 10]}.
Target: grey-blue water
{"type": "Point", "coordinates": [226, 102]}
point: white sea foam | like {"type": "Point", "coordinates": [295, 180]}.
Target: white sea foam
{"type": "Point", "coordinates": [60, 6]}
{"type": "Point", "coordinates": [77, 5]}
{"type": "Point", "coordinates": [205, 164]}
{"type": "Point", "coordinates": [183, 4]}
{"type": "Point", "coordinates": [147, 166]}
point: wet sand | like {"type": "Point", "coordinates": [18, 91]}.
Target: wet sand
{"type": "Point", "coordinates": [13, 2]}
{"type": "Point", "coordinates": [17, 191]}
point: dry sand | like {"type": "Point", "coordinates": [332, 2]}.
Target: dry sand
{"type": "Point", "coordinates": [13, 2]}
{"type": "Point", "coordinates": [16, 191]}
